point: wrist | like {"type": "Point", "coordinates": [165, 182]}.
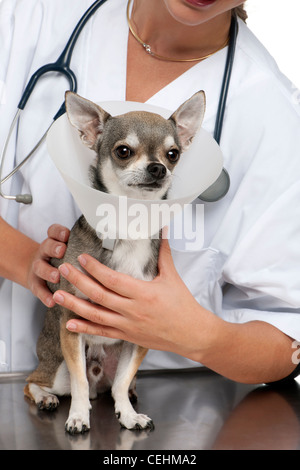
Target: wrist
{"type": "Point", "coordinates": [27, 263]}
{"type": "Point", "coordinates": [21, 268]}
{"type": "Point", "coordinates": [205, 337]}
{"type": "Point", "coordinates": [17, 253]}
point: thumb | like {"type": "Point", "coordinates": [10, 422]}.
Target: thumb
{"type": "Point", "coordinates": [165, 260]}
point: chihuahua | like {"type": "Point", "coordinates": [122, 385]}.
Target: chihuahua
{"type": "Point", "coordinates": [136, 154]}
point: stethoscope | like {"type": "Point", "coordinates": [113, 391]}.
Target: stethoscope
{"type": "Point", "coordinates": [214, 193]}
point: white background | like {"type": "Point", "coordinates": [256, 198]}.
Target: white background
{"type": "Point", "coordinates": [276, 24]}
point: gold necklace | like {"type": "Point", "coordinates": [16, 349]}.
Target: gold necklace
{"type": "Point", "coordinates": [149, 51]}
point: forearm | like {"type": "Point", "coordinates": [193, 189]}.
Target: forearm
{"type": "Point", "coordinates": [26, 262]}
{"type": "Point", "coordinates": [253, 352]}
{"type": "Point", "coordinates": [16, 254]}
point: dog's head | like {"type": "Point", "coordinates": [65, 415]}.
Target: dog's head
{"type": "Point", "coordinates": [137, 151]}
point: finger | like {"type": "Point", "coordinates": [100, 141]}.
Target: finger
{"type": "Point", "coordinates": [95, 314]}
{"type": "Point", "coordinates": [46, 297]}
{"type": "Point", "coordinates": [96, 292]}
{"type": "Point", "coordinates": [59, 233]}
{"type": "Point", "coordinates": [89, 328]}
{"type": "Point", "coordinates": [120, 283]}
{"type": "Point", "coordinates": [42, 269]}
{"type": "Point", "coordinates": [165, 232]}
{"type": "Point", "coordinates": [165, 260]}
{"type": "Point", "coordinates": [50, 248]}
{"type": "Point", "coordinates": [41, 291]}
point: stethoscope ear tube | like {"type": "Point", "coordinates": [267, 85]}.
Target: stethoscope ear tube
{"type": "Point", "coordinates": [55, 67]}
{"type": "Point", "coordinates": [221, 186]}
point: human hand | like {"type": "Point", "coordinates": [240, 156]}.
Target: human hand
{"type": "Point", "coordinates": [40, 270]}
{"type": "Point", "coordinates": [160, 314]}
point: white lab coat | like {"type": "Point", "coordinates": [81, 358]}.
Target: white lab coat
{"type": "Point", "coordinates": [248, 266]}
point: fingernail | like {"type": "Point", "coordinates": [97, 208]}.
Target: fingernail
{"type": "Point", "coordinates": [49, 301]}
{"type": "Point", "coordinates": [63, 235]}
{"type": "Point", "coordinates": [54, 277]}
{"type": "Point", "coordinates": [82, 260]}
{"type": "Point", "coordinates": [64, 270]}
{"type": "Point", "coordinates": [71, 326]}
{"type": "Point", "coordinates": [58, 250]}
{"type": "Point", "coordinates": [58, 298]}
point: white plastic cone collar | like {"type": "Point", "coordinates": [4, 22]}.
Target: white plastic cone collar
{"type": "Point", "coordinates": [198, 168]}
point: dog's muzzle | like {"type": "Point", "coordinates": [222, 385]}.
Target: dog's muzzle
{"type": "Point", "coordinates": [157, 171]}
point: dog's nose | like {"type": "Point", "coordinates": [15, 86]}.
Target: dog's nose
{"type": "Point", "coordinates": [157, 170]}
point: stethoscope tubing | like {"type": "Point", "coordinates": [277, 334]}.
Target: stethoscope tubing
{"type": "Point", "coordinates": [226, 80]}
{"type": "Point", "coordinates": [221, 186]}
{"type": "Point", "coordinates": [62, 64]}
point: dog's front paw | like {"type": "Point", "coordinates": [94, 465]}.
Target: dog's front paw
{"type": "Point", "coordinates": [77, 424]}
{"type": "Point", "coordinates": [135, 421]}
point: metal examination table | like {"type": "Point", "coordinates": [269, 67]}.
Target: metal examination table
{"type": "Point", "coordinates": [191, 410]}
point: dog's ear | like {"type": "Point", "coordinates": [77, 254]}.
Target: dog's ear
{"type": "Point", "coordinates": [87, 117]}
{"type": "Point", "coordinates": [188, 118]}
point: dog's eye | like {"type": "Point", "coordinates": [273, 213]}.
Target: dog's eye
{"type": "Point", "coordinates": [123, 151]}
{"type": "Point", "coordinates": [173, 155]}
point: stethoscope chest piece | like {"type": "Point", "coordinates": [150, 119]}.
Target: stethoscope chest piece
{"type": "Point", "coordinates": [217, 190]}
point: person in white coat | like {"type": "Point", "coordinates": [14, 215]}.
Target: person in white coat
{"type": "Point", "coordinates": [231, 304]}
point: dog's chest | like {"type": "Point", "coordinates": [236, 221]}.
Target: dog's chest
{"type": "Point", "coordinates": [138, 258]}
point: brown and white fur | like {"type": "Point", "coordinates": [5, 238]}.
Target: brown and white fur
{"type": "Point", "coordinates": [135, 157]}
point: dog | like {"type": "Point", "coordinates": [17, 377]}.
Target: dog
{"type": "Point", "coordinates": [136, 154]}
